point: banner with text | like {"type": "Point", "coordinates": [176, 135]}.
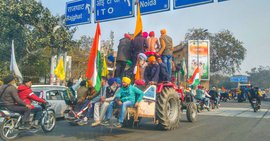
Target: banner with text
{"type": "Point", "coordinates": [187, 3]}
{"type": "Point", "coordinates": [199, 55]}
{"type": "Point", "coordinates": [154, 6]}
{"type": "Point", "coordinates": [78, 12]}
{"type": "Point", "coordinates": [107, 10]}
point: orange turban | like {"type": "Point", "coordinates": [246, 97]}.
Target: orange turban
{"type": "Point", "coordinates": [151, 59]}
{"type": "Point", "coordinates": [163, 31]}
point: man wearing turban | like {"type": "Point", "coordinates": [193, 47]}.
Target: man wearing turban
{"type": "Point", "coordinates": [151, 73]}
{"type": "Point", "coordinates": [126, 97]}
{"type": "Point", "coordinates": [166, 50]}
{"type": "Point", "coordinates": [123, 54]}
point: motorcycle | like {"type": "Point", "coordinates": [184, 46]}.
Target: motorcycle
{"type": "Point", "coordinates": [10, 122]}
{"type": "Point", "coordinates": [214, 103]}
{"type": "Point", "coordinates": [201, 106]}
{"type": "Point", "coordinates": [255, 105]}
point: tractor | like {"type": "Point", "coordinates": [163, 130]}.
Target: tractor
{"type": "Point", "coordinates": [164, 104]}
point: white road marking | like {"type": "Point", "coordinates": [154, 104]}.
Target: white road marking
{"type": "Point", "coordinates": [238, 112]}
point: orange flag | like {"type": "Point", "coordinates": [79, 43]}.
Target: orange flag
{"type": "Point", "coordinates": [139, 25]}
{"type": "Point", "coordinates": [138, 74]}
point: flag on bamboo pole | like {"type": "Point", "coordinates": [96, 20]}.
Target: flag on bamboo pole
{"type": "Point", "coordinates": [13, 64]}
{"type": "Point", "coordinates": [60, 70]}
{"type": "Point", "coordinates": [195, 79]}
{"type": "Point", "coordinates": [105, 71]}
{"type": "Point", "coordinates": [139, 25]}
{"type": "Point", "coordinates": [93, 67]}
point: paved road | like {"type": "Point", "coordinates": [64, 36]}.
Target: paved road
{"type": "Point", "coordinates": [232, 122]}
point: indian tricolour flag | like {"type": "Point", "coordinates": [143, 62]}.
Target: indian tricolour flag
{"type": "Point", "coordinates": [93, 71]}
{"type": "Point", "coordinates": [195, 79]}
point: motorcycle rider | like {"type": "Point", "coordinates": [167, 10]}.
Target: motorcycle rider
{"type": "Point", "coordinates": [10, 99]}
{"type": "Point", "coordinates": [254, 93]}
{"type": "Point", "coordinates": [214, 95]}
{"type": "Point", "coordinates": [26, 95]}
{"type": "Point", "coordinates": [201, 95]}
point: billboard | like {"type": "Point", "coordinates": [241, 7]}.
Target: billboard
{"type": "Point", "coordinates": [199, 55]}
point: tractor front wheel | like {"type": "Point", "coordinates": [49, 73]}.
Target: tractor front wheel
{"type": "Point", "coordinates": [168, 109]}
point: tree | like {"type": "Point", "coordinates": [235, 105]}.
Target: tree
{"type": "Point", "coordinates": [227, 53]}
{"type": "Point", "coordinates": [260, 76]}
{"type": "Point", "coordinates": [36, 33]}
{"type": "Point", "coordinates": [219, 81]}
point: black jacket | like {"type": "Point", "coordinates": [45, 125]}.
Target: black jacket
{"type": "Point", "coordinates": [163, 74]}
{"type": "Point", "coordinates": [151, 73]}
{"type": "Point", "coordinates": [139, 44]}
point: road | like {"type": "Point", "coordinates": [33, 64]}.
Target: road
{"type": "Point", "coordinates": [232, 122]}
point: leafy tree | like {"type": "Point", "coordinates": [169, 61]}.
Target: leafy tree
{"type": "Point", "coordinates": [218, 80]}
{"type": "Point", "coordinates": [36, 33]}
{"type": "Point", "coordinates": [260, 76]}
{"type": "Point", "coordinates": [226, 52]}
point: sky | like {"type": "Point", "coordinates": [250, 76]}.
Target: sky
{"type": "Point", "coordinates": [248, 20]}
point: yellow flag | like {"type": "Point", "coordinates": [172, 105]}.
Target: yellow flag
{"type": "Point", "coordinates": [139, 25]}
{"type": "Point", "coordinates": [105, 71]}
{"type": "Point", "coordinates": [59, 70]}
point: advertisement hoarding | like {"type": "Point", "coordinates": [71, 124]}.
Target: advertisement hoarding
{"type": "Point", "coordinates": [199, 53]}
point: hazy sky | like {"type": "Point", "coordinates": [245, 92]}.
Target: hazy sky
{"type": "Point", "coordinates": [248, 20]}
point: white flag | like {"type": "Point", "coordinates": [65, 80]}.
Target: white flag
{"type": "Point", "coordinates": [13, 65]}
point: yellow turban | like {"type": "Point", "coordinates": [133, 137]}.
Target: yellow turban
{"type": "Point", "coordinates": [163, 31]}
{"type": "Point", "coordinates": [151, 59]}
{"type": "Point", "coordinates": [126, 80]}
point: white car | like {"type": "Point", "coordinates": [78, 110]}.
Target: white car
{"type": "Point", "coordinates": [54, 95]}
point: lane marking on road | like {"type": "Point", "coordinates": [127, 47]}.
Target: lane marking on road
{"type": "Point", "coordinates": [195, 126]}
{"type": "Point", "coordinates": [238, 112]}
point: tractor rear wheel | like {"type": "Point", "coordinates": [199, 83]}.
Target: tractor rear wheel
{"type": "Point", "coordinates": [168, 109]}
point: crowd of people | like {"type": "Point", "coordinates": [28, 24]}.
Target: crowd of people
{"type": "Point", "coordinates": [216, 94]}
{"type": "Point", "coordinates": [133, 54]}
{"type": "Point", "coordinates": [141, 60]}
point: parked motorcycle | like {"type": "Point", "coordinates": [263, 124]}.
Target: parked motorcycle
{"type": "Point", "coordinates": [10, 122]}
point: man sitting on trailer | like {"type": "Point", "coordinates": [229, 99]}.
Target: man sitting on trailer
{"type": "Point", "coordinates": [126, 97]}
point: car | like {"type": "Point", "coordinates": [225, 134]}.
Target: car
{"type": "Point", "coordinates": [54, 95]}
